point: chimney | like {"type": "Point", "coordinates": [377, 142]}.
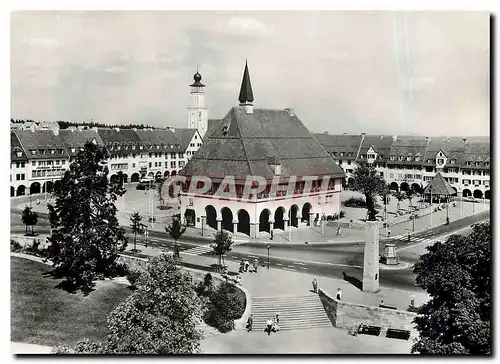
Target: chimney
{"type": "Point", "coordinates": [290, 111]}
{"type": "Point", "coordinates": [344, 133]}
{"type": "Point", "coordinates": [381, 137]}
{"type": "Point", "coordinates": [465, 140]}
{"type": "Point", "coordinates": [394, 138]}
{"type": "Point", "coordinates": [363, 134]}
{"type": "Point", "coordinates": [427, 139]}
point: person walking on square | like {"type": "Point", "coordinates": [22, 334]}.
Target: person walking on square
{"type": "Point", "coordinates": [247, 264]}
{"type": "Point", "coordinates": [339, 294]}
{"type": "Point", "coordinates": [269, 324]}
{"type": "Point", "coordinates": [277, 322]}
{"type": "Point", "coordinates": [249, 323]}
{"type": "Point", "coordinates": [315, 285]}
{"type": "Point", "coordinates": [255, 265]}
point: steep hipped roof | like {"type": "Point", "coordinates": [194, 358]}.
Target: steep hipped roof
{"type": "Point", "coordinates": [337, 144]}
{"type": "Point", "coordinates": [212, 123]}
{"type": "Point", "coordinates": [41, 141]}
{"type": "Point", "coordinates": [184, 136]}
{"type": "Point", "coordinates": [152, 139]}
{"type": "Point", "coordinates": [15, 147]}
{"type": "Point", "coordinates": [477, 152]}
{"type": "Point", "coordinates": [380, 143]}
{"type": "Point", "coordinates": [77, 139]}
{"type": "Point", "coordinates": [242, 144]}
{"type": "Point", "coordinates": [246, 94]}
{"type": "Point", "coordinates": [121, 137]}
{"type": "Point", "coordinates": [439, 186]}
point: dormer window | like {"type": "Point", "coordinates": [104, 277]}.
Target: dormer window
{"type": "Point", "coordinates": [478, 164]}
{"type": "Point", "coordinates": [42, 151]}
{"type": "Point", "coordinates": [408, 158]}
{"type": "Point", "coordinates": [52, 151]}
{"type": "Point", "coordinates": [400, 157]}
{"type": "Point", "coordinates": [140, 147]}
{"type": "Point", "coordinates": [73, 150]}
{"type": "Point", "coordinates": [125, 147]}
{"type": "Point", "coordinates": [452, 161]}
{"type": "Point", "coordinates": [110, 148]}
{"type": "Point", "coordinates": [417, 158]}
{"type": "Point", "coordinates": [486, 164]}
{"type": "Point", "coordinates": [118, 148]}
{"type": "Point", "coordinates": [19, 154]}
{"type": "Point", "coordinates": [393, 157]}
{"type": "Point", "coordinates": [341, 154]}
{"type": "Point", "coordinates": [429, 160]}
{"type": "Point", "coordinates": [350, 155]}
{"type": "Point", "coordinates": [440, 161]}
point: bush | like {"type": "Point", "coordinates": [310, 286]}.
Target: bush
{"type": "Point", "coordinates": [15, 246]}
{"type": "Point", "coordinates": [342, 214]}
{"type": "Point", "coordinates": [60, 349]}
{"type": "Point", "coordinates": [89, 347]}
{"type": "Point", "coordinates": [133, 275]}
{"type": "Point", "coordinates": [227, 304]}
{"type": "Point", "coordinates": [355, 202]}
{"type": "Point", "coordinates": [335, 216]}
{"type": "Point", "coordinates": [205, 288]}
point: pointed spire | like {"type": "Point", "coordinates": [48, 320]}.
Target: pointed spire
{"type": "Point", "coordinates": [246, 94]}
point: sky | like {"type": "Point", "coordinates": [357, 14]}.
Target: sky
{"type": "Point", "coordinates": [377, 72]}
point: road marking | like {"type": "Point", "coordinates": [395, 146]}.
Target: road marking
{"type": "Point", "coordinates": [292, 266]}
{"type": "Point", "coordinates": [303, 268]}
{"type": "Point", "coordinates": [279, 264]}
{"type": "Point", "coordinates": [289, 269]}
{"type": "Point", "coordinates": [300, 263]}
{"type": "Point", "coordinates": [435, 238]}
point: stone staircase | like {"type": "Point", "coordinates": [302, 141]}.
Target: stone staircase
{"type": "Point", "coordinates": [296, 312]}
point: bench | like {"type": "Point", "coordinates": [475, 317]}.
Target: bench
{"type": "Point", "coordinates": [369, 330]}
{"type": "Point", "coordinates": [398, 334]}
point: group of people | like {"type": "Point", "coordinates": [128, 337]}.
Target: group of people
{"type": "Point", "coordinates": [315, 289]}
{"type": "Point", "coordinates": [245, 264]}
{"type": "Point", "coordinates": [272, 324]}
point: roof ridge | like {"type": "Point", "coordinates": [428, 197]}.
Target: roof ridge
{"type": "Point", "coordinates": [243, 143]}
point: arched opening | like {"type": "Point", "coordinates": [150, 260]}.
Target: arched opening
{"type": "Point", "coordinates": [478, 194]}
{"type": "Point", "coordinates": [293, 216]}
{"type": "Point", "coordinates": [394, 186]}
{"type": "Point", "coordinates": [34, 188]}
{"type": "Point", "coordinates": [455, 191]}
{"type": "Point", "coordinates": [167, 174]}
{"type": "Point", "coordinates": [21, 191]}
{"type": "Point", "coordinates": [244, 222]}
{"type": "Point", "coordinates": [114, 179]}
{"type": "Point", "coordinates": [404, 186]}
{"type": "Point", "coordinates": [211, 213]}
{"type": "Point", "coordinates": [279, 223]}
{"type": "Point", "coordinates": [466, 193]}
{"type": "Point", "coordinates": [174, 173]}
{"type": "Point", "coordinates": [135, 177]}
{"type": "Point", "coordinates": [264, 220]}
{"type": "Point", "coordinates": [487, 194]}
{"type": "Point", "coordinates": [48, 187]}
{"type": "Point", "coordinates": [12, 191]}
{"type": "Point", "coordinates": [227, 219]}
{"type": "Point", "coordinates": [416, 188]}
{"type": "Point", "coordinates": [190, 216]}
{"type": "Point", "coordinates": [306, 209]}
{"type": "Point", "coordinates": [158, 176]}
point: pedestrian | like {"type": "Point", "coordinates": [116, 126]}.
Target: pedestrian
{"type": "Point", "coordinates": [339, 294]}
{"type": "Point", "coordinates": [255, 265]}
{"type": "Point", "coordinates": [247, 264]}
{"type": "Point", "coordinates": [338, 230]}
{"type": "Point", "coordinates": [277, 322]}
{"type": "Point", "coordinates": [388, 233]}
{"type": "Point", "coordinates": [269, 326]}
{"type": "Point", "coordinates": [238, 280]}
{"type": "Point", "coordinates": [315, 285]}
{"type": "Point", "coordinates": [242, 266]}
{"type": "Point", "coordinates": [249, 323]}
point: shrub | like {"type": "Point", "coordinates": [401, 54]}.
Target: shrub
{"type": "Point", "coordinates": [355, 202]}
{"type": "Point", "coordinates": [227, 303]}
{"type": "Point", "coordinates": [15, 246]}
{"type": "Point", "coordinates": [60, 349]}
{"type": "Point", "coordinates": [342, 214]}
{"type": "Point", "coordinates": [89, 347]}
{"type": "Point", "coordinates": [133, 275]}
{"type": "Point", "coordinates": [205, 288]}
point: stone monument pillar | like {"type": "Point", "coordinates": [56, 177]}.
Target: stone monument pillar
{"type": "Point", "coordinates": [371, 260]}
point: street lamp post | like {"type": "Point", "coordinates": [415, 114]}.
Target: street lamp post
{"type": "Point", "coordinates": [268, 247]}
{"type": "Point", "coordinates": [202, 223]}
{"type": "Point", "coordinates": [430, 189]}
{"type": "Point", "coordinates": [447, 213]}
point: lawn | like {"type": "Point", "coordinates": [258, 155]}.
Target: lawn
{"type": "Point", "coordinates": [45, 315]}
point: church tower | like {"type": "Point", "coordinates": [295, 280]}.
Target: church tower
{"type": "Point", "coordinates": [197, 111]}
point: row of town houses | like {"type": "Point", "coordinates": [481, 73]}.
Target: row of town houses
{"type": "Point", "coordinates": [412, 161]}
{"type": "Point", "coordinates": [40, 156]}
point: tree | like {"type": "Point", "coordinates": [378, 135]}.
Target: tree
{"type": "Point", "coordinates": [409, 195]}
{"type": "Point", "coordinates": [175, 230]}
{"type": "Point", "coordinates": [457, 275]}
{"type": "Point", "coordinates": [160, 316]}
{"type": "Point", "coordinates": [85, 229]}
{"type": "Point", "coordinates": [367, 181]}
{"type": "Point", "coordinates": [221, 245]}
{"type": "Point", "coordinates": [136, 226]}
{"type": "Point", "coordinates": [29, 218]}
{"type": "Point", "coordinates": [400, 196]}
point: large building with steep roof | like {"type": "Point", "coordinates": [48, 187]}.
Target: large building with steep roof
{"type": "Point", "coordinates": [271, 145]}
